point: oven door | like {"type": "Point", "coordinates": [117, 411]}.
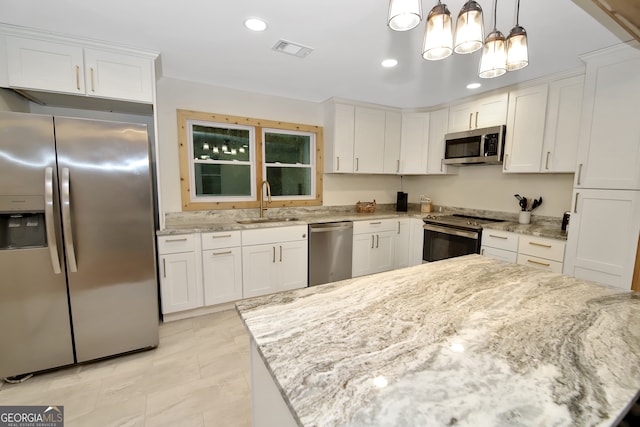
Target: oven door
{"type": "Point", "coordinates": [441, 242]}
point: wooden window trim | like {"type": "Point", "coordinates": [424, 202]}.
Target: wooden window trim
{"type": "Point", "coordinates": [185, 161]}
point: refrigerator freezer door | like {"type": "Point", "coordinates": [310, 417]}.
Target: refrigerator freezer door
{"type": "Point", "coordinates": [35, 330]}
{"type": "Point", "coordinates": [113, 292]}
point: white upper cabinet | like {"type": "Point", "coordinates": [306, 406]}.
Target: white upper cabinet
{"type": "Point", "coordinates": [609, 150]}
{"type": "Point", "coordinates": [414, 143]}
{"type": "Point", "coordinates": [485, 112]}
{"type": "Point", "coordinates": [525, 129]}
{"type": "Point", "coordinates": [37, 63]}
{"type": "Point", "coordinates": [392, 132]}
{"type": "Point", "coordinates": [562, 129]}
{"type": "Point", "coordinates": [369, 135]}
{"type": "Point", "coordinates": [339, 124]}
{"type": "Point", "coordinates": [438, 126]}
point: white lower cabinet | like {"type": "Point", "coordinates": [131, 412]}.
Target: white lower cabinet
{"type": "Point", "coordinates": [373, 246]}
{"type": "Point", "coordinates": [274, 260]}
{"type": "Point", "coordinates": [180, 277]}
{"type": "Point", "coordinates": [603, 236]}
{"type": "Point", "coordinates": [538, 252]}
{"type": "Point", "coordinates": [408, 242]}
{"type": "Point", "coordinates": [221, 267]}
{"type": "Point", "coordinates": [502, 245]}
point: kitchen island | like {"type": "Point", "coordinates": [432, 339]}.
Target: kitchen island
{"type": "Point", "coordinates": [466, 341]}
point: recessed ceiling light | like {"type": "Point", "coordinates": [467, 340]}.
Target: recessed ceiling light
{"type": "Point", "coordinates": [473, 85]}
{"type": "Point", "coordinates": [388, 63]}
{"type": "Point", "coordinates": [255, 24]}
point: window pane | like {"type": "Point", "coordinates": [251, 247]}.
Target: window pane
{"type": "Point", "coordinates": [222, 180]}
{"type": "Point", "coordinates": [219, 143]}
{"type": "Point", "coordinates": [287, 148]}
{"type": "Point", "coordinates": [289, 181]}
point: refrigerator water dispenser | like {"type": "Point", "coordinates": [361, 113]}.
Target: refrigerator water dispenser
{"type": "Point", "coordinates": [22, 230]}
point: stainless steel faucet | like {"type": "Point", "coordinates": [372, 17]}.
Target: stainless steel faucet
{"type": "Point", "coordinates": [262, 208]}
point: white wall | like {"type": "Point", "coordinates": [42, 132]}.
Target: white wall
{"type": "Point", "coordinates": [486, 187]}
{"type": "Point", "coordinates": [342, 189]}
{"type": "Point", "coordinates": [11, 101]}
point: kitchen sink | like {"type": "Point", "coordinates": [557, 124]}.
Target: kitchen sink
{"type": "Point", "coordinates": [263, 220]}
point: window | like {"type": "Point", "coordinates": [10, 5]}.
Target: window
{"type": "Point", "coordinates": [223, 160]}
{"type": "Point", "coordinates": [288, 163]}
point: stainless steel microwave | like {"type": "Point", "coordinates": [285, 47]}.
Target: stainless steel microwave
{"type": "Point", "coordinates": [476, 146]}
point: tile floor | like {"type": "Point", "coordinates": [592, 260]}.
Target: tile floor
{"type": "Point", "coordinates": [198, 376]}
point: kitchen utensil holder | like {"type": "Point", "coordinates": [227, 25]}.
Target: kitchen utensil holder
{"type": "Point", "coordinates": [525, 217]}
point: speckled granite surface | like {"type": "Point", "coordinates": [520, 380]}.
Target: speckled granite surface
{"type": "Point", "coordinates": [468, 341]}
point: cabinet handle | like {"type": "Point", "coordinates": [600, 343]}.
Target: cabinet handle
{"type": "Point", "coordinates": [338, 163]}
{"type": "Point", "coordinates": [220, 253]}
{"type": "Point", "coordinates": [176, 240]}
{"type": "Point", "coordinates": [575, 205]}
{"type": "Point", "coordinates": [223, 236]}
{"type": "Point", "coordinates": [498, 237]}
{"type": "Point", "coordinates": [579, 173]}
{"type": "Point", "coordinates": [357, 164]}
{"type": "Point", "coordinates": [538, 263]}
{"type": "Point", "coordinates": [441, 165]}
{"type": "Point", "coordinates": [482, 252]}
{"type": "Point", "coordinates": [164, 267]}
{"type": "Point", "coordinates": [476, 119]}
{"type": "Point", "coordinates": [78, 77]}
{"type": "Point", "coordinates": [373, 239]}
{"type": "Point", "coordinates": [506, 160]}
{"type": "Point", "coordinates": [539, 244]}
{"type": "Point", "coordinates": [546, 163]}
{"type": "Point", "coordinates": [375, 223]}
{"type": "Point", "coordinates": [398, 227]}
{"type": "Point", "coordinates": [470, 117]}
{"type": "Point", "coordinates": [280, 253]}
{"type": "Point", "coordinates": [398, 165]}
{"type": "Point", "coordinates": [92, 85]}
{"type": "Point", "coordinates": [274, 254]}
{"type": "Point", "coordinates": [377, 241]}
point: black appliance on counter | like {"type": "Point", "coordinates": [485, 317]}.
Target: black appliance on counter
{"type": "Point", "coordinates": [448, 236]}
{"type": "Point", "coordinates": [403, 202]}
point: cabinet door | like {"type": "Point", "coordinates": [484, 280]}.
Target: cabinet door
{"type": "Point", "coordinates": [499, 254]}
{"type": "Point", "coordinates": [392, 132]}
{"type": "Point", "coordinates": [118, 76]}
{"type": "Point", "coordinates": [341, 129]}
{"type": "Point", "coordinates": [383, 253]}
{"type": "Point", "coordinates": [438, 125]}
{"type": "Point", "coordinates": [461, 117]}
{"type": "Point", "coordinates": [258, 270]}
{"type": "Point", "coordinates": [363, 245]}
{"type": "Point", "coordinates": [525, 129]}
{"type": "Point", "coordinates": [562, 128]}
{"type": "Point", "coordinates": [368, 140]}
{"type": "Point", "coordinates": [42, 65]}
{"type": "Point", "coordinates": [179, 282]}
{"type": "Point", "coordinates": [603, 236]}
{"type": "Point", "coordinates": [222, 275]}
{"type": "Point", "coordinates": [292, 265]}
{"type": "Point", "coordinates": [609, 151]}
{"type": "Point", "coordinates": [414, 146]}
{"type": "Point", "coordinates": [491, 111]}
{"type": "Point", "coordinates": [402, 244]}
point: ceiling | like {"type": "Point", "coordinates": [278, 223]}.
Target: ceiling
{"type": "Point", "coordinates": [205, 41]}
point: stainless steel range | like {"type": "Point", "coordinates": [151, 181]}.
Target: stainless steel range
{"type": "Point", "coordinates": [448, 236]}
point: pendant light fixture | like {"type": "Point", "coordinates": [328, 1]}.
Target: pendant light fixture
{"type": "Point", "coordinates": [438, 38]}
{"type": "Point", "coordinates": [469, 28]}
{"type": "Point", "coordinates": [517, 50]}
{"type": "Point", "coordinates": [404, 14]}
{"type": "Point", "coordinates": [494, 55]}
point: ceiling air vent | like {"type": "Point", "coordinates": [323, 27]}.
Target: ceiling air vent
{"type": "Point", "coordinates": [291, 48]}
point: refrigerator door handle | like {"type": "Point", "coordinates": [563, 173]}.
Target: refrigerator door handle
{"type": "Point", "coordinates": [66, 221]}
{"type": "Point", "coordinates": [52, 242]}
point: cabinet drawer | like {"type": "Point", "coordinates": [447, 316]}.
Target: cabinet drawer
{"type": "Point", "coordinates": [550, 249]}
{"type": "Point", "coordinates": [177, 243]}
{"type": "Point", "coordinates": [500, 240]}
{"type": "Point", "coordinates": [540, 263]}
{"type": "Point", "coordinates": [223, 239]}
{"type": "Point", "coordinates": [500, 254]}
{"type": "Point", "coordinates": [373, 226]}
{"type": "Point", "coordinates": [261, 236]}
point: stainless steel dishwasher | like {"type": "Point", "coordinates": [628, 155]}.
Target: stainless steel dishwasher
{"type": "Point", "coordinates": [330, 246]}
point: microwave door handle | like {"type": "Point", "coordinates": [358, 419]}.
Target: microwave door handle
{"type": "Point", "coordinates": [451, 231]}
{"type": "Point", "coordinates": [52, 242]}
{"type": "Point", "coordinates": [66, 221]}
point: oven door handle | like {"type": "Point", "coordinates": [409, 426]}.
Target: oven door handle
{"type": "Point", "coordinates": [452, 231]}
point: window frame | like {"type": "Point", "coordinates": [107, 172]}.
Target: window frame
{"type": "Point", "coordinates": [187, 165]}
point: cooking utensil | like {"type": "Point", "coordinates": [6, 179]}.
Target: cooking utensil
{"type": "Point", "coordinates": [523, 203]}
{"type": "Point", "coordinates": [536, 203]}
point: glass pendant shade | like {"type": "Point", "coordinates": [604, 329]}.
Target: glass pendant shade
{"type": "Point", "coordinates": [494, 56]}
{"type": "Point", "coordinates": [517, 51]}
{"type": "Point", "coordinates": [404, 14]}
{"type": "Point", "coordinates": [469, 28]}
{"type": "Point", "coordinates": [438, 37]}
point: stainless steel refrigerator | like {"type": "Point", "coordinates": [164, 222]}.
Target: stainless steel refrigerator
{"type": "Point", "coordinates": [77, 255]}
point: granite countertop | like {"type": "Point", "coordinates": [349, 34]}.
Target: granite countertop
{"type": "Point", "coordinates": [549, 229]}
{"type": "Point", "coordinates": [465, 341]}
